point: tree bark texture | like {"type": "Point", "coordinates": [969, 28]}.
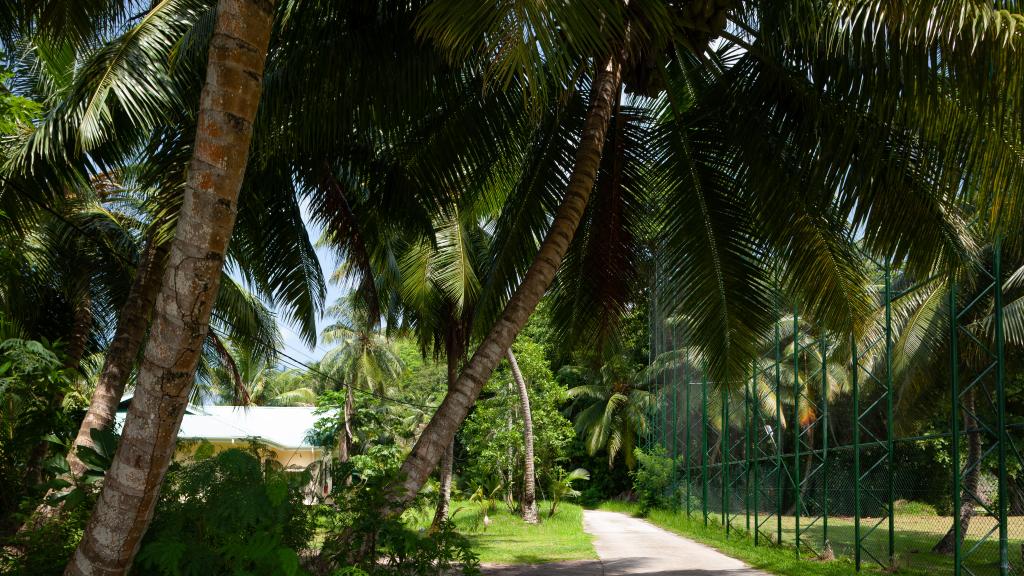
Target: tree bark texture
{"type": "Point", "coordinates": [227, 109]}
{"type": "Point", "coordinates": [453, 409]}
{"type": "Point", "coordinates": [529, 479]}
{"type": "Point", "coordinates": [123, 350]}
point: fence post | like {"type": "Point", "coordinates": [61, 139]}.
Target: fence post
{"type": "Point", "coordinates": [954, 361]}
{"type": "Point", "coordinates": [674, 427]}
{"type": "Point", "coordinates": [724, 437]}
{"type": "Point", "coordinates": [757, 461]}
{"type": "Point", "coordinates": [796, 425]}
{"type": "Point", "coordinates": [746, 445]}
{"type": "Point", "coordinates": [890, 423]}
{"type": "Point", "coordinates": [824, 438]}
{"type": "Point", "coordinates": [689, 476]}
{"type": "Point", "coordinates": [855, 385]}
{"type": "Point", "coordinates": [1004, 556]}
{"type": "Point", "coordinates": [704, 451]}
{"type": "Point", "coordinates": [779, 466]}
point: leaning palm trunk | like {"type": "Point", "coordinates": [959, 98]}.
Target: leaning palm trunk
{"type": "Point", "coordinates": [117, 366]}
{"type": "Point", "coordinates": [227, 109]}
{"type": "Point", "coordinates": [529, 491]}
{"type": "Point", "coordinates": [453, 409]}
{"type": "Point", "coordinates": [971, 480]}
{"type": "Point", "coordinates": [122, 352]}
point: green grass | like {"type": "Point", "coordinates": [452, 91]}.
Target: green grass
{"type": "Point", "coordinates": [779, 560]}
{"type": "Point", "coordinates": [509, 540]}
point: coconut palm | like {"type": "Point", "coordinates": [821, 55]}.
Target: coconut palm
{"type": "Point", "coordinates": [227, 109]}
{"type": "Point", "coordinates": [612, 405]}
{"type": "Point", "coordinates": [252, 380]}
{"type": "Point", "coordinates": [729, 193]}
{"type": "Point", "coordinates": [838, 143]}
{"type": "Point", "coordinates": [361, 358]}
{"type": "Point", "coordinates": [921, 325]}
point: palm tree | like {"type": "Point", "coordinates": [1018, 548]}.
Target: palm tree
{"type": "Point", "coordinates": [612, 406]}
{"type": "Point", "coordinates": [529, 478]}
{"type": "Point", "coordinates": [728, 195]}
{"type": "Point", "coordinates": [361, 358]}
{"type": "Point", "coordinates": [921, 325]}
{"type": "Point", "coordinates": [227, 109]}
{"type": "Point", "coordinates": [858, 146]}
{"type": "Point", "coordinates": [249, 379]}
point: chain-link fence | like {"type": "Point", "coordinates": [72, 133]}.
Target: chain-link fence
{"type": "Point", "coordinates": [820, 449]}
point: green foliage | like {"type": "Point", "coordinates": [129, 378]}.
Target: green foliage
{"type": "Point", "coordinates": [652, 480]}
{"type": "Point", "coordinates": [363, 536]}
{"type": "Point", "coordinates": [80, 492]}
{"type": "Point", "coordinates": [611, 405]}
{"type": "Point", "coordinates": [228, 514]}
{"type": "Point", "coordinates": [912, 508]}
{"type": "Point", "coordinates": [493, 434]}
{"type": "Point", "coordinates": [562, 488]}
{"type": "Point", "coordinates": [44, 551]}
{"type": "Point", "coordinates": [16, 112]}
{"type": "Point", "coordinates": [32, 383]}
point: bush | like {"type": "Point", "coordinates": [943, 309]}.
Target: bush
{"type": "Point", "coordinates": [652, 480]}
{"type": "Point", "coordinates": [362, 536]}
{"type": "Point", "coordinates": [227, 514]}
{"type": "Point", "coordinates": [45, 550]}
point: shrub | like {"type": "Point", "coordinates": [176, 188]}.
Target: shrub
{"type": "Point", "coordinates": [227, 514]}
{"type": "Point", "coordinates": [363, 536]}
{"type": "Point", "coordinates": [45, 550]}
{"type": "Point", "coordinates": [652, 480]}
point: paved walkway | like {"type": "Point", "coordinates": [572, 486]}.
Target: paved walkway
{"type": "Point", "coordinates": [627, 545]}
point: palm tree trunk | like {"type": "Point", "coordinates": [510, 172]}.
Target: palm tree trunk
{"type": "Point", "coordinates": [971, 481]}
{"type": "Point", "coordinates": [227, 109]}
{"type": "Point", "coordinates": [529, 490]}
{"type": "Point", "coordinates": [453, 351]}
{"type": "Point", "coordinates": [117, 366]}
{"type": "Point", "coordinates": [456, 404]}
{"type": "Point", "coordinates": [345, 437]}
{"type": "Point", "coordinates": [123, 349]}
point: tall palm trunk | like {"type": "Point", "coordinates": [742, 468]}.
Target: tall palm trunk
{"type": "Point", "coordinates": [345, 437]}
{"type": "Point", "coordinates": [123, 350]}
{"type": "Point", "coordinates": [971, 481]}
{"type": "Point", "coordinates": [453, 410]}
{"type": "Point", "coordinates": [227, 108]}
{"type": "Point", "coordinates": [453, 351]}
{"type": "Point", "coordinates": [529, 490]}
{"type": "Point", "coordinates": [117, 366]}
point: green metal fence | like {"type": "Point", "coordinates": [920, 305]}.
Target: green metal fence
{"type": "Point", "coordinates": [808, 450]}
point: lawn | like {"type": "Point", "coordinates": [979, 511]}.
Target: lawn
{"type": "Point", "coordinates": [509, 540]}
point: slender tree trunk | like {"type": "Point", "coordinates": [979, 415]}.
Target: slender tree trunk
{"type": "Point", "coordinates": [123, 350]}
{"type": "Point", "coordinates": [117, 366]}
{"type": "Point", "coordinates": [456, 404]}
{"type": "Point", "coordinates": [969, 495]}
{"type": "Point", "coordinates": [453, 352]}
{"type": "Point", "coordinates": [345, 437]}
{"type": "Point", "coordinates": [529, 490]}
{"type": "Point", "coordinates": [227, 108]}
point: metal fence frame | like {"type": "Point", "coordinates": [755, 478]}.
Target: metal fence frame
{"type": "Point", "coordinates": [755, 464]}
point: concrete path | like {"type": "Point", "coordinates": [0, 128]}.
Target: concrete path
{"type": "Point", "coordinates": [627, 545]}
